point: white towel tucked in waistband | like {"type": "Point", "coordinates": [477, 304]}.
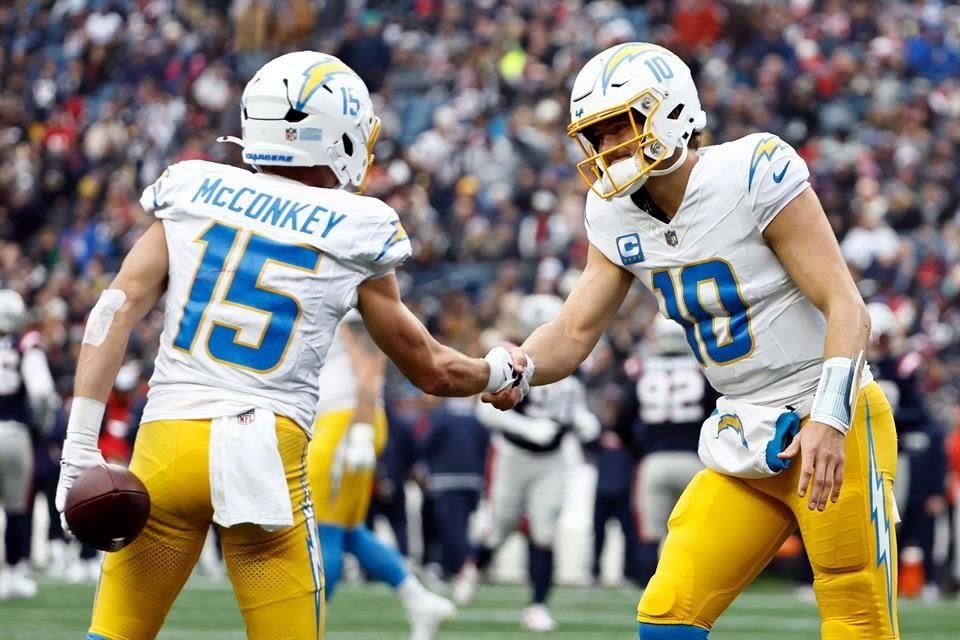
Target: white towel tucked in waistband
{"type": "Point", "coordinates": [743, 440]}
{"type": "Point", "coordinates": [247, 479]}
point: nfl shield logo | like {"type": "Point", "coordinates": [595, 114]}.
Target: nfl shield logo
{"type": "Point", "coordinates": [291, 134]}
{"type": "Point", "coordinates": [671, 237]}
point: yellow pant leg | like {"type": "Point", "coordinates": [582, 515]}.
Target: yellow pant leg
{"type": "Point", "coordinates": [341, 497]}
{"type": "Point", "coordinates": [721, 534]}
{"type": "Point", "coordinates": [277, 576]}
{"type": "Point", "coordinates": [851, 544]}
{"type": "Point", "coordinates": [140, 582]}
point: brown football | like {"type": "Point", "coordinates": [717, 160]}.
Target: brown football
{"type": "Point", "coordinates": [107, 507]}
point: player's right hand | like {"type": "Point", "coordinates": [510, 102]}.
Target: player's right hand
{"type": "Point", "coordinates": [516, 365]}
{"type": "Point", "coordinates": [821, 450]}
{"type": "Point", "coordinates": [76, 458]}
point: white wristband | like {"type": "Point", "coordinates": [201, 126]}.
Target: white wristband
{"type": "Point", "coordinates": [501, 370]}
{"type": "Point", "coordinates": [836, 394]}
{"type": "Point", "coordinates": [86, 416]}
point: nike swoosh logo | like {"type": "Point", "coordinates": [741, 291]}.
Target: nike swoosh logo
{"type": "Point", "coordinates": [778, 177]}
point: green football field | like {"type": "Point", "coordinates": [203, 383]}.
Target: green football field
{"type": "Point", "coordinates": [207, 611]}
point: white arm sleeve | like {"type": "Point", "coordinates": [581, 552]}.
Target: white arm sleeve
{"type": "Point", "coordinates": [539, 431]}
{"type": "Point", "coordinates": [36, 377]}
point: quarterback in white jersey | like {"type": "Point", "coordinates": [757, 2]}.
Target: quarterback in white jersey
{"type": "Point", "coordinates": [257, 269]}
{"type": "Point", "coordinates": [734, 244]}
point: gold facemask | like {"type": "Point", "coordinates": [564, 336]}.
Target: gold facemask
{"type": "Point", "coordinates": [595, 167]}
{"type": "Point", "coordinates": [371, 141]}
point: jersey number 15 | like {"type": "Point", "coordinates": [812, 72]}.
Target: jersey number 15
{"type": "Point", "coordinates": [244, 290]}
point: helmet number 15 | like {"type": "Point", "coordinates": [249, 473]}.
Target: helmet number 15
{"type": "Point", "coordinates": [351, 105]}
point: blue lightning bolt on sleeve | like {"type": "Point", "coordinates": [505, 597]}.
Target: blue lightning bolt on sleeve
{"type": "Point", "coordinates": [775, 175]}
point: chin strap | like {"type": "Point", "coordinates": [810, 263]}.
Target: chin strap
{"type": "Point", "coordinates": [673, 167]}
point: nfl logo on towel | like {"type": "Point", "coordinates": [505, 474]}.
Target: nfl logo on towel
{"type": "Point", "coordinates": [291, 134]}
{"type": "Point", "coordinates": [671, 237]}
{"type": "Point", "coordinates": [246, 418]}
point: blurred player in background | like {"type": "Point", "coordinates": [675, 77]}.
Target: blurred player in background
{"type": "Point", "coordinates": [453, 453]}
{"type": "Point", "coordinates": [736, 247]}
{"type": "Point", "coordinates": [922, 461]}
{"type": "Point", "coordinates": [256, 269]}
{"type": "Point", "coordinates": [615, 458]}
{"type": "Point", "coordinates": [670, 401]}
{"type": "Point", "coordinates": [27, 399]}
{"type": "Point", "coordinates": [528, 472]}
{"type": "Point", "coordinates": [350, 432]}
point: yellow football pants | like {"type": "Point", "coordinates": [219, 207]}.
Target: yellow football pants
{"type": "Point", "coordinates": [341, 497]}
{"type": "Point", "coordinates": [724, 531]}
{"type": "Point", "coordinates": [277, 577]}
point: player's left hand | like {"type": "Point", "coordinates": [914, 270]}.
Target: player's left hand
{"type": "Point", "coordinates": [821, 450]}
{"type": "Point", "coordinates": [77, 457]}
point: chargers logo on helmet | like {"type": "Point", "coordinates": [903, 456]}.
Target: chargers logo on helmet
{"type": "Point", "coordinates": [731, 421]}
{"type": "Point", "coordinates": [625, 53]}
{"type": "Point", "coordinates": [316, 75]}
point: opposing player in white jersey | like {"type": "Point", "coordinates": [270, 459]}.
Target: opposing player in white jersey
{"type": "Point", "coordinates": [733, 242]}
{"type": "Point", "coordinates": [528, 472]}
{"type": "Point", "coordinates": [28, 399]}
{"type": "Point", "coordinates": [257, 268]}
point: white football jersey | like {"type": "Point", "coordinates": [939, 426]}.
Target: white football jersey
{"type": "Point", "coordinates": [262, 268]}
{"type": "Point", "coordinates": [337, 384]}
{"type": "Point", "coordinates": [757, 337]}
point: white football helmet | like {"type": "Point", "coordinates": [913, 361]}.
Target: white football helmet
{"type": "Point", "coordinates": [13, 312]}
{"type": "Point", "coordinates": [537, 309]}
{"type": "Point", "coordinates": [308, 109]}
{"type": "Point", "coordinates": [883, 322]}
{"type": "Point", "coordinates": [654, 89]}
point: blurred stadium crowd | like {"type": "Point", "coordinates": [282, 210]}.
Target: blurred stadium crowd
{"type": "Point", "coordinates": [98, 96]}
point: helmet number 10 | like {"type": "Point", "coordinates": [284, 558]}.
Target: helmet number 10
{"type": "Point", "coordinates": [659, 68]}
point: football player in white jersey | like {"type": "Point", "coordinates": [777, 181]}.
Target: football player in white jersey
{"type": "Point", "coordinates": [733, 242]}
{"type": "Point", "coordinates": [28, 401]}
{"type": "Point", "coordinates": [528, 472]}
{"type": "Point", "coordinates": [256, 269]}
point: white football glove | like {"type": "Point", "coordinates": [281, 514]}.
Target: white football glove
{"type": "Point", "coordinates": [586, 425]}
{"type": "Point", "coordinates": [502, 374]}
{"type": "Point", "coordinates": [360, 453]}
{"type": "Point", "coordinates": [77, 457]}
{"type": "Point", "coordinates": [80, 450]}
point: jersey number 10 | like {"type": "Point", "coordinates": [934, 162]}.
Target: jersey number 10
{"type": "Point", "coordinates": [698, 322]}
{"type": "Point", "coordinates": [244, 290]}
